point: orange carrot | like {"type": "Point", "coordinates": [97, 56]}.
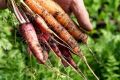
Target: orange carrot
{"type": "Point", "coordinates": [63, 18]}
{"type": "Point", "coordinates": [59, 29]}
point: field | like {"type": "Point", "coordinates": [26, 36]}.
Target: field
{"type": "Point", "coordinates": [17, 64]}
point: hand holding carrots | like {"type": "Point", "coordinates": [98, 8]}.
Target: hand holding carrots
{"type": "Point", "coordinates": [75, 6]}
{"type": "Point", "coordinates": [46, 25]}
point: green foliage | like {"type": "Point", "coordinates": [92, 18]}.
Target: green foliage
{"type": "Point", "coordinates": [17, 64]}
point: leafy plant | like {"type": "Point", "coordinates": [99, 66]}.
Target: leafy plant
{"type": "Point", "coordinates": [104, 40]}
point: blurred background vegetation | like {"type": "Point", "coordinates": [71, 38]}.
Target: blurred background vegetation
{"type": "Point", "coordinates": [104, 40]}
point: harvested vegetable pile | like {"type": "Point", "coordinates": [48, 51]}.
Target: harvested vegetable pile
{"type": "Point", "coordinates": [46, 27]}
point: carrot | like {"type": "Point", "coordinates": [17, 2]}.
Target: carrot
{"type": "Point", "coordinates": [43, 44]}
{"type": "Point", "coordinates": [56, 49]}
{"type": "Point", "coordinates": [68, 57]}
{"type": "Point", "coordinates": [28, 32]}
{"type": "Point", "coordinates": [52, 45]}
{"type": "Point", "coordinates": [59, 29]}
{"type": "Point", "coordinates": [64, 19]}
{"type": "Point", "coordinates": [79, 53]}
{"type": "Point", "coordinates": [66, 53]}
{"type": "Point", "coordinates": [61, 53]}
{"type": "Point", "coordinates": [58, 53]}
{"type": "Point", "coordinates": [64, 63]}
{"type": "Point", "coordinates": [40, 23]}
{"type": "Point", "coordinates": [29, 35]}
{"type": "Point", "coordinates": [45, 51]}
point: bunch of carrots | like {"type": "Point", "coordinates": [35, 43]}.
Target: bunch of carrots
{"type": "Point", "coordinates": [45, 26]}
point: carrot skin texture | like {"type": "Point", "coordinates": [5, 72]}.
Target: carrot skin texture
{"type": "Point", "coordinates": [59, 29]}
{"type": "Point", "coordinates": [67, 55]}
{"type": "Point", "coordinates": [56, 49]}
{"type": "Point", "coordinates": [53, 45]}
{"type": "Point", "coordinates": [64, 63]}
{"type": "Point", "coordinates": [41, 24]}
{"type": "Point", "coordinates": [43, 45]}
{"type": "Point", "coordinates": [58, 53]}
{"type": "Point", "coordinates": [29, 34]}
{"type": "Point", "coordinates": [64, 19]}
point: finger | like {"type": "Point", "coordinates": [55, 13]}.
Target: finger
{"type": "Point", "coordinates": [3, 4]}
{"type": "Point", "coordinates": [78, 8]}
